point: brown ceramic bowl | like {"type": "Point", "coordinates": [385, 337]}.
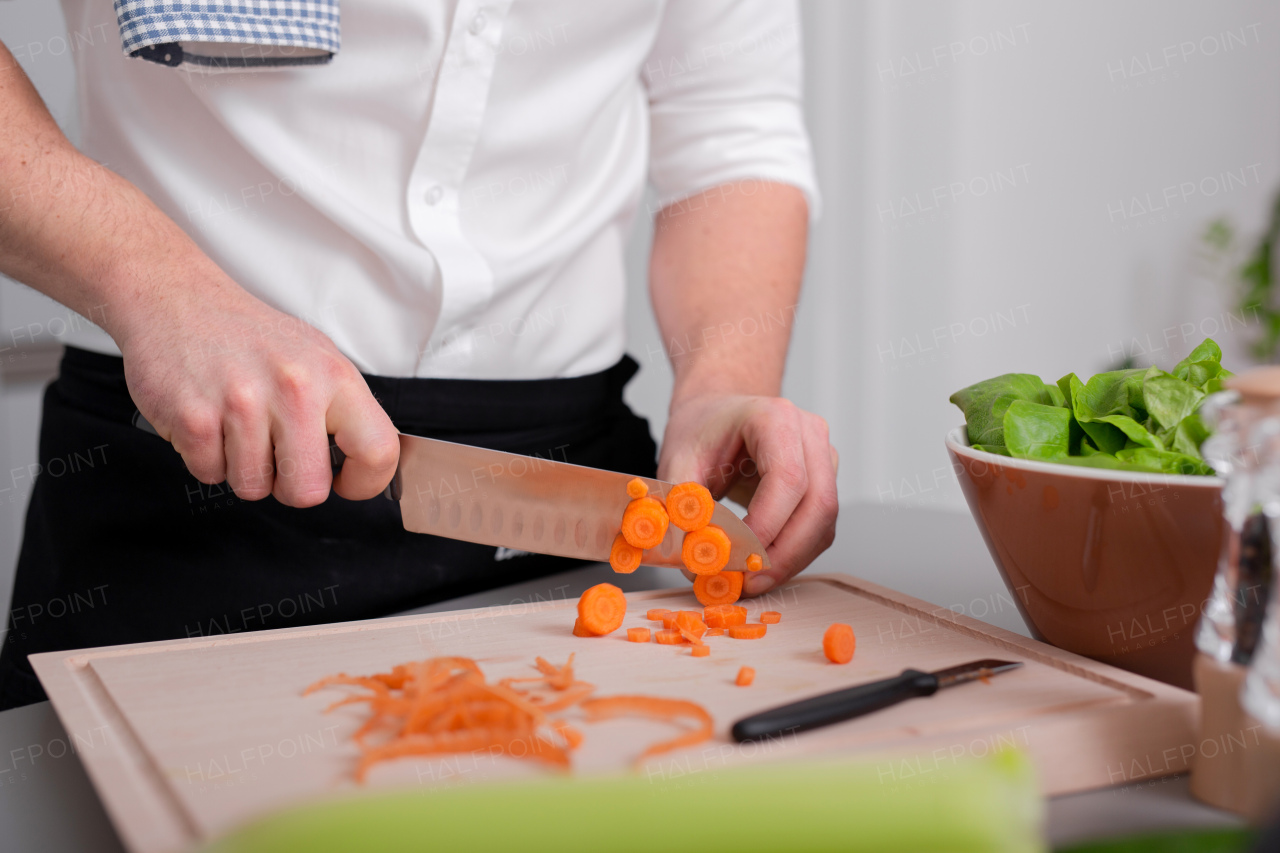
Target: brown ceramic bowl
{"type": "Point", "coordinates": [1113, 565]}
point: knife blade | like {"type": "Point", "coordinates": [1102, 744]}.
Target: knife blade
{"type": "Point", "coordinates": [531, 503]}
{"type": "Point", "coordinates": [841, 705]}
{"type": "Point", "coordinates": [525, 503]}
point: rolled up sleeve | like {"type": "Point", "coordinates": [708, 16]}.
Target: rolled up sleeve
{"type": "Point", "coordinates": [725, 83]}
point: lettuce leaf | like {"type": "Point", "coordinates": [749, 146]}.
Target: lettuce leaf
{"type": "Point", "coordinates": [1138, 419]}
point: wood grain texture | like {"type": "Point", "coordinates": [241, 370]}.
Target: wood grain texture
{"type": "Point", "coordinates": [205, 733]}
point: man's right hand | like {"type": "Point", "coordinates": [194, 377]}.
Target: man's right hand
{"type": "Point", "coordinates": [243, 391]}
{"type": "Point", "coordinates": [250, 395]}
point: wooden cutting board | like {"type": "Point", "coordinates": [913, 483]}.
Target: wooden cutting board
{"type": "Point", "coordinates": [185, 739]}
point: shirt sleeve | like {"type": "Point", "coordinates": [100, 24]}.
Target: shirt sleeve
{"type": "Point", "coordinates": [725, 83]}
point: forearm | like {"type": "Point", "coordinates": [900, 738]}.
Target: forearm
{"type": "Point", "coordinates": [724, 277]}
{"type": "Point", "coordinates": [78, 232]}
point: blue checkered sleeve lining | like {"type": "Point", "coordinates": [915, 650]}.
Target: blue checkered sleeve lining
{"type": "Point", "coordinates": [289, 23]}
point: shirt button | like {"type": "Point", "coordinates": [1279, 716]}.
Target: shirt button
{"type": "Point", "coordinates": [478, 23]}
{"type": "Point", "coordinates": [435, 194]}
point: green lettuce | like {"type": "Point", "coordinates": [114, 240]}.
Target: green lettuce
{"type": "Point", "coordinates": [1138, 419]}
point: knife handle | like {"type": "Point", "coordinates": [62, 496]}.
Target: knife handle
{"type": "Point", "coordinates": [835, 707]}
{"type": "Point", "coordinates": [336, 456]}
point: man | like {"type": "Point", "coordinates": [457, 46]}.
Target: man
{"type": "Point", "coordinates": [423, 234]}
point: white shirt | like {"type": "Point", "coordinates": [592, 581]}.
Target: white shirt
{"type": "Point", "coordinates": [451, 196]}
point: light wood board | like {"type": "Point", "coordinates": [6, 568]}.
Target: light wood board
{"type": "Point", "coordinates": [185, 739]}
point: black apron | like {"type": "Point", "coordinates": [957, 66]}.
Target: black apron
{"type": "Point", "coordinates": [123, 545]}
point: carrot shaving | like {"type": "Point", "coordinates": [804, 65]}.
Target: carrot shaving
{"type": "Point", "coordinates": [610, 707]}
{"type": "Point", "coordinates": [636, 488]}
{"type": "Point", "coordinates": [644, 523]}
{"type": "Point", "coordinates": [690, 506]}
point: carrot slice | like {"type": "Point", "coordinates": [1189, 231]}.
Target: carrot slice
{"type": "Point", "coordinates": [714, 632]}
{"type": "Point", "coordinates": [838, 643]}
{"type": "Point", "coordinates": [705, 551]}
{"type": "Point", "coordinates": [601, 608]}
{"type": "Point", "coordinates": [701, 650]}
{"type": "Point", "coordinates": [636, 488]}
{"type": "Point", "coordinates": [644, 523]}
{"type": "Point", "coordinates": [657, 614]}
{"type": "Point", "coordinates": [754, 563]}
{"type": "Point", "coordinates": [623, 556]}
{"type": "Point", "coordinates": [720, 588]}
{"type": "Point", "coordinates": [670, 637]}
{"type": "Point", "coordinates": [747, 632]}
{"type": "Point", "coordinates": [580, 631]}
{"type": "Point", "coordinates": [669, 621]}
{"type": "Point", "coordinates": [608, 707]}
{"type": "Point", "coordinates": [690, 625]}
{"type": "Point", "coordinates": [690, 506]}
{"type": "Point", "coordinates": [638, 635]}
{"type": "Point", "coordinates": [725, 618]}
{"type": "Point", "coordinates": [771, 617]}
{"type": "Point", "coordinates": [746, 675]}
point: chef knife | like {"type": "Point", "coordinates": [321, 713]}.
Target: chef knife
{"type": "Point", "coordinates": [527, 503]}
{"type": "Point", "coordinates": [851, 702]}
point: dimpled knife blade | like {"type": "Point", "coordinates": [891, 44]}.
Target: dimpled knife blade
{"type": "Point", "coordinates": [530, 503]}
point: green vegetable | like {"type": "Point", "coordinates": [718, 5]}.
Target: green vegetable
{"type": "Point", "coordinates": [988, 805]}
{"type": "Point", "coordinates": [1132, 420]}
{"type": "Point", "coordinates": [1184, 841]}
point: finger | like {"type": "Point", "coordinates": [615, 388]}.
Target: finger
{"type": "Point", "coordinates": [835, 459]}
{"type": "Point", "coordinates": [303, 470]}
{"type": "Point", "coordinates": [682, 466]}
{"type": "Point", "coordinates": [370, 441]}
{"type": "Point", "coordinates": [774, 437]}
{"type": "Point", "coordinates": [246, 431]}
{"type": "Point", "coordinates": [196, 433]}
{"type": "Point", "coordinates": [811, 528]}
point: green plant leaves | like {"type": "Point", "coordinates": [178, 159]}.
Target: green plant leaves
{"type": "Point", "coordinates": [1140, 419]}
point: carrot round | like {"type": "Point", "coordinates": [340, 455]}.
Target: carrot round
{"type": "Point", "coordinates": [669, 621]}
{"type": "Point", "coordinates": [705, 551]}
{"type": "Point", "coordinates": [638, 635]}
{"type": "Point", "coordinates": [725, 618]}
{"type": "Point", "coordinates": [746, 675]}
{"type": "Point", "coordinates": [601, 608]}
{"type": "Point", "coordinates": [754, 563]}
{"type": "Point", "coordinates": [747, 632]}
{"type": "Point", "coordinates": [838, 643]}
{"type": "Point", "coordinates": [690, 624]}
{"type": "Point", "coordinates": [714, 632]}
{"type": "Point", "coordinates": [770, 617]}
{"type": "Point", "coordinates": [701, 650]}
{"type": "Point", "coordinates": [690, 506]}
{"type": "Point", "coordinates": [623, 556]}
{"type": "Point", "coordinates": [657, 614]}
{"type": "Point", "coordinates": [579, 630]}
{"type": "Point", "coordinates": [720, 588]}
{"type": "Point", "coordinates": [644, 522]}
{"type": "Point", "coordinates": [670, 637]}
{"type": "Point", "coordinates": [636, 488]}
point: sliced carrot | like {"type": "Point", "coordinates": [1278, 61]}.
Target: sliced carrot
{"type": "Point", "coordinates": [601, 608]}
{"type": "Point", "coordinates": [670, 637]}
{"type": "Point", "coordinates": [669, 621]}
{"type": "Point", "coordinates": [746, 675]}
{"type": "Point", "coordinates": [747, 632]}
{"type": "Point", "coordinates": [608, 707]}
{"type": "Point", "coordinates": [623, 556]}
{"type": "Point", "coordinates": [771, 617]}
{"type": "Point", "coordinates": [705, 551]}
{"type": "Point", "coordinates": [638, 635]}
{"type": "Point", "coordinates": [644, 523]}
{"type": "Point", "coordinates": [657, 614]}
{"type": "Point", "coordinates": [720, 588]}
{"type": "Point", "coordinates": [690, 506]}
{"type": "Point", "coordinates": [580, 631]}
{"type": "Point", "coordinates": [690, 625]}
{"type": "Point", "coordinates": [754, 563]}
{"type": "Point", "coordinates": [636, 488]}
{"type": "Point", "coordinates": [701, 650]}
{"type": "Point", "coordinates": [714, 632]}
{"type": "Point", "coordinates": [727, 618]}
{"type": "Point", "coordinates": [838, 643]}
